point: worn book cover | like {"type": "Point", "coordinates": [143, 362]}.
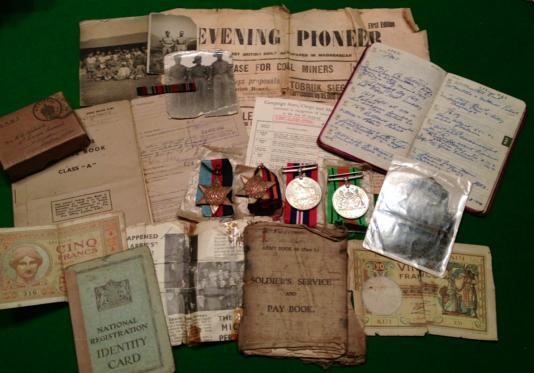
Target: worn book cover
{"type": "Point", "coordinates": [295, 295]}
{"type": "Point", "coordinates": [39, 134]}
{"type": "Point", "coordinates": [117, 316]}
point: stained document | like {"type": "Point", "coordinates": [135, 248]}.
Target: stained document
{"type": "Point", "coordinates": [169, 147]}
{"type": "Point", "coordinates": [200, 276]}
{"type": "Point", "coordinates": [82, 185]}
{"type": "Point", "coordinates": [285, 131]}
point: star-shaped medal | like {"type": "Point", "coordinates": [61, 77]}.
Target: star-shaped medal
{"type": "Point", "coordinates": [255, 187]}
{"type": "Point", "coordinates": [215, 196]}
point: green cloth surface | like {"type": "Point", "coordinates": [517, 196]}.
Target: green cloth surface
{"type": "Point", "coordinates": [488, 41]}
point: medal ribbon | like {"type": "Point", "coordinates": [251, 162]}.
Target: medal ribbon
{"type": "Point", "coordinates": [331, 214]}
{"type": "Point", "coordinates": [267, 207]}
{"type": "Point", "coordinates": [166, 88]}
{"type": "Point", "coordinates": [211, 171]}
{"type": "Point", "coordinates": [293, 215]}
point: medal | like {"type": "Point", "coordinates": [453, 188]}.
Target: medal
{"type": "Point", "coordinates": [302, 193]}
{"type": "Point", "coordinates": [214, 193]}
{"type": "Point", "coordinates": [349, 201]}
{"type": "Point", "coordinates": [215, 196]}
{"type": "Point", "coordinates": [255, 187]}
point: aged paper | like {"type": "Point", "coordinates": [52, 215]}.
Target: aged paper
{"type": "Point", "coordinates": [383, 107]}
{"type": "Point", "coordinates": [33, 259]}
{"type": "Point", "coordinates": [397, 104]}
{"type": "Point", "coordinates": [295, 295]}
{"type": "Point", "coordinates": [113, 57]}
{"type": "Point", "coordinates": [393, 298]}
{"type": "Point", "coordinates": [117, 316]}
{"type": "Point", "coordinates": [199, 274]}
{"type": "Point", "coordinates": [469, 131]}
{"type": "Point", "coordinates": [305, 55]}
{"type": "Point", "coordinates": [325, 45]}
{"type": "Point", "coordinates": [104, 177]}
{"type": "Point", "coordinates": [168, 149]}
{"type": "Point", "coordinates": [285, 131]}
{"type": "Point", "coordinates": [169, 245]}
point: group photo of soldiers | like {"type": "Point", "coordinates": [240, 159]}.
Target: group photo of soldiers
{"type": "Point", "coordinates": [219, 285]}
{"type": "Point", "coordinates": [168, 34]}
{"type": "Point", "coordinates": [115, 63]}
{"type": "Point", "coordinates": [213, 76]}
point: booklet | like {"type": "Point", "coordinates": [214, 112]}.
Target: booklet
{"type": "Point", "coordinates": [397, 104]}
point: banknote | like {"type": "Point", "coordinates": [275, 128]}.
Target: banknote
{"type": "Point", "coordinates": [393, 298]}
{"type": "Point", "coordinates": [32, 259]}
{"type": "Point", "coordinates": [117, 316]}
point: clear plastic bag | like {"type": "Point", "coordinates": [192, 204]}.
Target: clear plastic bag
{"type": "Point", "coordinates": [417, 215]}
{"type": "Point", "coordinates": [213, 76]}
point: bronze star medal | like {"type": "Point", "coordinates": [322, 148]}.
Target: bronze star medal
{"type": "Point", "coordinates": [256, 187]}
{"type": "Point", "coordinates": [215, 196]}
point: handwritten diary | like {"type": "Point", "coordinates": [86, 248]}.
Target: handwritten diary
{"type": "Point", "coordinates": [396, 104]}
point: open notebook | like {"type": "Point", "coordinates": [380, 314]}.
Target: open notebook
{"type": "Point", "coordinates": [398, 104]}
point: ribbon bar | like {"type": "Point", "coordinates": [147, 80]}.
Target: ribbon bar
{"type": "Point", "coordinates": [166, 88]}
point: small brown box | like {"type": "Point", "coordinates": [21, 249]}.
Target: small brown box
{"type": "Point", "coordinates": [39, 134]}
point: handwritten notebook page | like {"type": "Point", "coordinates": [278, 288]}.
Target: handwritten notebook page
{"type": "Point", "coordinates": [468, 132]}
{"type": "Point", "coordinates": [383, 106]}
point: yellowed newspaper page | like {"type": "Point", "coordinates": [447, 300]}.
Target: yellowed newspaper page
{"type": "Point", "coordinates": [169, 245]}
{"type": "Point", "coordinates": [169, 147]}
{"type": "Point", "coordinates": [104, 177]}
{"type": "Point", "coordinates": [325, 45]}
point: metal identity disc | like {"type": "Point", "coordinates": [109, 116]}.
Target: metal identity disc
{"type": "Point", "coordinates": [303, 193]}
{"type": "Point", "coordinates": [350, 201]}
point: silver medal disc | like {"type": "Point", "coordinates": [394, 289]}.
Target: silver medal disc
{"type": "Point", "coordinates": [303, 193]}
{"type": "Point", "coordinates": [350, 201]}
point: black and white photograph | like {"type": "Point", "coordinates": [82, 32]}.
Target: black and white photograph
{"type": "Point", "coordinates": [167, 34]}
{"type": "Point", "coordinates": [177, 261]}
{"type": "Point", "coordinates": [113, 57]}
{"type": "Point", "coordinates": [175, 301]}
{"type": "Point", "coordinates": [180, 301]}
{"type": "Point", "coordinates": [219, 285]}
{"type": "Point", "coordinates": [213, 76]}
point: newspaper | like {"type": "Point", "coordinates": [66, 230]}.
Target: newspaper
{"type": "Point", "coordinates": [307, 55]}
{"type": "Point", "coordinates": [199, 275]}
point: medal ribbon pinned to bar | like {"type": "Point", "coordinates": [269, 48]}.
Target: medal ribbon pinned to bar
{"type": "Point", "coordinates": [214, 193]}
{"type": "Point", "coordinates": [166, 88]}
{"type": "Point", "coordinates": [303, 194]}
{"type": "Point", "coordinates": [347, 201]}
